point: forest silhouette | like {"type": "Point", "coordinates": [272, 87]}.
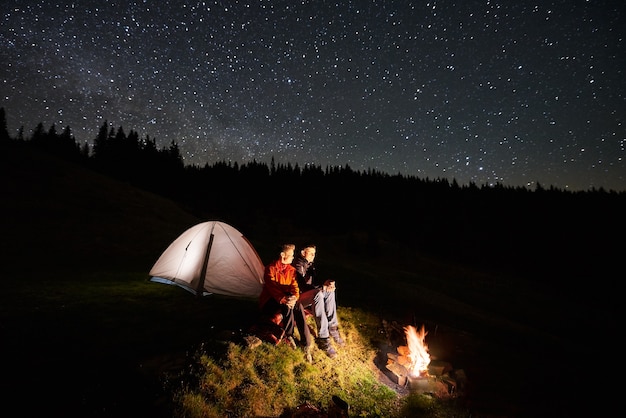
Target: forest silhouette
{"type": "Point", "coordinates": [550, 235]}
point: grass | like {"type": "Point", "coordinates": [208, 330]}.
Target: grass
{"type": "Point", "coordinates": [123, 346]}
{"type": "Point", "coordinates": [111, 343]}
{"type": "Point", "coordinates": [270, 380]}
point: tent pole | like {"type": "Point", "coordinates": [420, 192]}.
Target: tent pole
{"type": "Point", "coordinates": [200, 289]}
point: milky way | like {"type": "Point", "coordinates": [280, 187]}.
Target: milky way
{"type": "Point", "coordinates": [509, 92]}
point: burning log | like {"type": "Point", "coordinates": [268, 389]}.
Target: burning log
{"type": "Point", "coordinates": [439, 368]}
{"type": "Point", "coordinates": [399, 372]}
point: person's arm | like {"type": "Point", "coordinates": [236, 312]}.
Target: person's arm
{"type": "Point", "coordinates": [294, 291]}
{"type": "Point", "coordinates": [285, 294]}
{"type": "Point", "coordinates": [300, 272]}
{"type": "Point", "coordinates": [274, 288]}
{"type": "Point", "coordinates": [305, 274]}
{"type": "Point", "coordinates": [311, 274]}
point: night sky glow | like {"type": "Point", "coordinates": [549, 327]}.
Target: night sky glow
{"type": "Point", "coordinates": [509, 92]}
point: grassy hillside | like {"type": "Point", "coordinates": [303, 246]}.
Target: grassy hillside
{"type": "Point", "coordinates": [85, 334]}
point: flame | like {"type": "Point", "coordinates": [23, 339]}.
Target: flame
{"type": "Point", "coordinates": [419, 359]}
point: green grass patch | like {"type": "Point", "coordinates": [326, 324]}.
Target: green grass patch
{"type": "Point", "coordinates": [268, 380]}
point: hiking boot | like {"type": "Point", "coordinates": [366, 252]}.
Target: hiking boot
{"type": "Point", "coordinates": [307, 353]}
{"type": "Point", "coordinates": [334, 332]}
{"type": "Point", "coordinates": [290, 341]}
{"type": "Point", "coordinates": [325, 345]}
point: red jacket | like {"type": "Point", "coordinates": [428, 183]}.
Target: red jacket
{"type": "Point", "coordinates": [280, 280]}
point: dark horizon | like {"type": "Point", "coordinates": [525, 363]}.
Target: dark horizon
{"type": "Point", "coordinates": [52, 137]}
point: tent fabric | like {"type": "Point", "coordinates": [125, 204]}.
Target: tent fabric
{"type": "Point", "coordinates": [211, 257]}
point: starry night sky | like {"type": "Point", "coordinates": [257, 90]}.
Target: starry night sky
{"type": "Point", "coordinates": [509, 92]}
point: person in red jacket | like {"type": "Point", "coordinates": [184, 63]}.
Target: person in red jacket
{"type": "Point", "coordinates": [281, 292]}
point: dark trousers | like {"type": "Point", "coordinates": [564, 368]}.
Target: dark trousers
{"type": "Point", "coordinates": [272, 306]}
{"type": "Point", "coordinates": [291, 318]}
{"type": "Point", "coordinates": [306, 338]}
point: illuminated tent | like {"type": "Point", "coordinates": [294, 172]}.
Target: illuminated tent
{"type": "Point", "coordinates": [211, 257]}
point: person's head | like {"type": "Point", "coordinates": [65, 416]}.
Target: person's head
{"type": "Point", "coordinates": [286, 253]}
{"type": "Point", "coordinates": [308, 252]}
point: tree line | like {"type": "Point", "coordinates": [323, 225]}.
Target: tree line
{"type": "Point", "coordinates": [546, 231]}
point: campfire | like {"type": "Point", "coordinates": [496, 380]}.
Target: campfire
{"type": "Point", "coordinates": [413, 367]}
{"type": "Point", "coordinates": [417, 351]}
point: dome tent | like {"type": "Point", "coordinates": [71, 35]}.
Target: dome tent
{"type": "Point", "coordinates": [211, 257]}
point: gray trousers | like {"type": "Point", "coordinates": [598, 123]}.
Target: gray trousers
{"type": "Point", "coordinates": [324, 309]}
